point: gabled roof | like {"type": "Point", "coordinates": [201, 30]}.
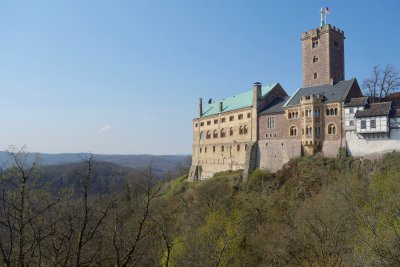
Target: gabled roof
{"type": "Point", "coordinates": [235, 102]}
{"type": "Point", "coordinates": [357, 102]}
{"type": "Point", "coordinates": [331, 93]}
{"type": "Point", "coordinates": [276, 106]}
{"type": "Point", "coordinates": [375, 109]}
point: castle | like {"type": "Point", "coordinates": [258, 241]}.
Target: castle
{"type": "Point", "coordinates": [265, 128]}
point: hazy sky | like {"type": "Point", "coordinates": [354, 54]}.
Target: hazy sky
{"type": "Point", "coordinates": [125, 76]}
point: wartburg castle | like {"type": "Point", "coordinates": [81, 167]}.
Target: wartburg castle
{"type": "Point", "coordinates": [265, 127]}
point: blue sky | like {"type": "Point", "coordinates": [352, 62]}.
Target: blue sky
{"type": "Point", "coordinates": [124, 77]}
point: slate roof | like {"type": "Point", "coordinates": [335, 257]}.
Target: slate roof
{"type": "Point", "coordinates": [276, 106]}
{"type": "Point", "coordinates": [375, 109]}
{"type": "Point", "coordinates": [235, 102]}
{"type": "Point", "coordinates": [331, 93]}
{"type": "Point", "coordinates": [357, 101]}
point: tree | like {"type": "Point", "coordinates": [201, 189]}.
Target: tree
{"type": "Point", "coordinates": [382, 83]}
{"type": "Point", "coordinates": [23, 224]}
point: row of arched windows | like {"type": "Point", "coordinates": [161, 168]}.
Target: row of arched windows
{"type": "Point", "coordinates": [309, 130]}
{"type": "Point", "coordinates": [331, 111]}
{"type": "Point", "coordinates": [207, 135]}
{"type": "Point", "coordinates": [238, 147]}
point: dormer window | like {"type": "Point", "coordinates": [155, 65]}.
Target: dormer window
{"type": "Point", "coordinates": [314, 42]}
{"type": "Point", "coordinates": [315, 59]}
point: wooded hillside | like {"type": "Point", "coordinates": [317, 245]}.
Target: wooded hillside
{"type": "Point", "coordinates": [314, 212]}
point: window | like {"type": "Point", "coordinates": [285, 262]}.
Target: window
{"type": "Point", "coordinates": [373, 124]}
{"type": "Point", "coordinates": [231, 131]}
{"type": "Point", "coordinates": [293, 131]}
{"type": "Point", "coordinates": [245, 147]}
{"type": "Point", "coordinates": [249, 115]}
{"type": "Point", "coordinates": [214, 149]}
{"type": "Point", "coordinates": [245, 130]}
{"type": "Point", "coordinates": [223, 133]}
{"type": "Point", "coordinates": [315, 59]}
{"type": "Point", "coordinates": [231, 118]}
{"type": "Point", "coordinates": [202, 124]}
{"type": "Point", "coordinates": [195, 125]}
{"type": "Point", "coordinates": [215, 134]}
{"type": "Point", "coordinates": [363, 124]}
{"type": "Point", "coordinates": [351, 110]}
{"type": "Point", "coordinates": [200, 149]}
{"type": "Point", "coordinates": [315, 42]}
{"type": "Point", "coordinates": [222, 148]}
{"type": "Point", "coordinates": [331, 129]}
{"type": "Point", "coordinates": [216, 121]}
{"type": "Point", "coordinates": [208, 135]}
{"type": "Point", "coordinates": [223, 120]}
{"type": "Point", "coordinates": [201, 135]}
{"type": "Point", "coordinates": [352, 123]}
{"type": "Point", "coordinates": [271, 122]}
{"type": "Point", "coordinates": [240, 116]}
{"type": "Point", "coordinates": [205, 150]}
{"type": "Point", "coordinates": [208, 122]}
{"type": "Point", "coordinates": [315, 75]}
{"type": "Point", "coordinates": [336, 43]}
{"type": "Point", "coordinates": [241, 130]}
{"type": "Point", "coordinates": [238, 148]}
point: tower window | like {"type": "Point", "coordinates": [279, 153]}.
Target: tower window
{"type": "Point", "coordinates": [314, 42]}
{"type": "Point", "coordinates": [315, 59]}
{"type": "Point", "coordinates": [315, 75]}
{"type": "Point", "coordinates": [336, 43]}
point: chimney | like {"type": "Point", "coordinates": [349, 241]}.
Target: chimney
{"type": "Point", "coordinates": [200, 107]}
{"type": "Point", "coordinates": [221, 106]}
{"type": "Point", "coordinates": [256, 93]}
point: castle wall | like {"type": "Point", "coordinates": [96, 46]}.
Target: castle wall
{"type": "Point", "coordinates": [275, 146]}
{"type": "Point", "coordinates": [221, 153]}
{"type": "Point", "coordinates": [358, 145]}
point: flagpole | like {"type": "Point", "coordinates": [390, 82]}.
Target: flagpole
{"type": "Point", "coordinates": [326, 23]}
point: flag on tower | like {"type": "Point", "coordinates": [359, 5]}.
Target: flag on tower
{"type": "Point", "coordinates": [326, 10]}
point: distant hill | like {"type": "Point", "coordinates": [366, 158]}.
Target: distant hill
{"type": "Point", "coordinates": [160, 163]}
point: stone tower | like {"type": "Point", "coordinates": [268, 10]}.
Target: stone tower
{"type": "Point", "coordinates": [323, 56]}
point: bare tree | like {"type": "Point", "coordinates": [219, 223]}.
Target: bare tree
{"type": "Point", "coordinates": [23, 226]}
{"type": "Point", "coordinates": [133, 233]}
{"type": "Point", "coordinates": [382, 83]}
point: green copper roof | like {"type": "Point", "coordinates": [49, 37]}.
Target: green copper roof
{"type": "Point", "coordinates": [235, 102]}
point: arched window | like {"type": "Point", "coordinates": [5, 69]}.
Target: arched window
{"type": "Point", "coordinates": [241, 130]}
{"type": "Point", "coordinates": [245, 130]}
{"type": "Point", "coordinates": [223, 133]}
{"type": "Point", "coordinates": [297, 115]}
{"type": "Point", "coordinates": [315, 59]}
{"type": "Point", "coordinates": [208, 135]}
{"type": "Point", "coordinates": [331, 128]}
{"type": "Point", "coordinates": [336, 111]}
{"type": "Point", "coordinates": [293, 131]}
{"type": "Point", "coordinates": [332, 111]}
{"type": "Point", "coordinates": [290, 115]}
{"type": "Point", "coordinates": [215, 134]}
{"type": "Point", "coordinates": [327, 112]}
{"type": "Point", "coordinates": [231, 131]}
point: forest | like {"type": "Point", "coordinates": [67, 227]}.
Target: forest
{"type": "Point", "coordinates": [316, 211]}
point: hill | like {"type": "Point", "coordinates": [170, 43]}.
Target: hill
{"type": "Point", "coordinates": [160, 163]}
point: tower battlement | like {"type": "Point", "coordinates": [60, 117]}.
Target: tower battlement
{"type": "Point", "coordinates": [321, 30]}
